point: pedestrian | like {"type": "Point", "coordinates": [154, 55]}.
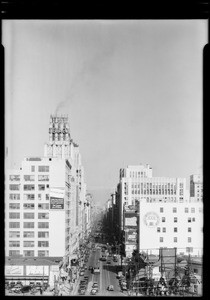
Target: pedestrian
{"type": "Point", "coordinates": [40, 291]}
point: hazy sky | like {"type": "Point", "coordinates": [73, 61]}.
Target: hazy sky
{"type": "Point", "coordinates": [132, 90]}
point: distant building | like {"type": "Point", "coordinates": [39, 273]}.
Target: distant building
{"type": "Point", "coordinates": [45, 199]}
{"type": "Point", "coordinates": [196, 188]}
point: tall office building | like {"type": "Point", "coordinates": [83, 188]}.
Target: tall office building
{"type": "Point", "coordinates": [196, 188]}
{"type": "Point", "coordinates": [45, 199]}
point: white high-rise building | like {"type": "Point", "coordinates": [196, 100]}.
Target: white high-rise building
{"type": "Point", "coordinates": [45, 199]}
{"type": "Point", "coordinates": [156, 212]}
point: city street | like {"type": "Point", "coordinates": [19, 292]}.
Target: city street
{"type": "Point", "coordinates": [106, 277]}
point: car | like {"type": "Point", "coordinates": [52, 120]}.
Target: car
{"type": "Point", "coordinates": [93, 292]}
{"type": "Point", "coordinates": [86, 277]}
{"type": "Point", "coordinates": [81, 291]}
{"type": "Point", "coordinates": [81, 273]}
{"type": "Point", "coordinates": [26, 289]}
{"type": "Point", "coordinates": [96, 270]}
{"type": "Point", "coordinates": [108, 262]}
{"type": "Point", "coordinates": [90, 268]}
{"type": "Point", "coordinates": [95, 284]}
{"type": "Point", "coordinates": [110, 288]}
{"type": "Point", "coordinates": [85, 260]}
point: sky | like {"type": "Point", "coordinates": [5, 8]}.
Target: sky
{"type": "Point", "coordinates": [132, 90]}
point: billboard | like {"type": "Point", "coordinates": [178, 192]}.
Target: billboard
{"type": "Point", "coordinates": [37, 270]}
{"type": "Point", "coordinates": [130, 221]}
{"type": "Point", "coordinates": [13, 270]}
{"type": "Point", "coordinates": [57, 198]}
{"type": "Point", "coordinates": [131, 236]}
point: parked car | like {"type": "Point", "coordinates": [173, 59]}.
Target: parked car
{"type": "Point", "coordinates": [81, 273]}
{"type": "Point", "coordinates": [95, 284]}
{"type": "Point", "coordinates": [93, 292]}
{"type": "Point", "coordinates": [110, 288]}
{"type": "Point", "coordinates": [90, 268]}
{"type": "Point", "coordinates": [26, 289]}
{"type": "Point", "coordinates": [108, 262]}
{"type": "Point", "coordinates": [81, 291]}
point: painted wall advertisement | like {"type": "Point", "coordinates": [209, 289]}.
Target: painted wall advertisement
{"type": "Point", "coordinates": [57, 198]}
{"type": "Point", "coordinates": [131, 236]}
{"type": "Point", "coordinates": [130, 221]}
{"type": "Point", "coordinates": [37, 270]}
{"type": "Point", "coordinates": [13, 270]}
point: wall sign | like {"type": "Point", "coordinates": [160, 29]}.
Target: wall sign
{"type": "Point", "coordinates": [56, 203]}
{"type": "Point", "coordinates": [151, 219]}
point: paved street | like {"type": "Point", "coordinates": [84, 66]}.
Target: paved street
{"type": "Point", "coordinates": [106, 276]}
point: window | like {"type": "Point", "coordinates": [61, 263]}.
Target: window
{"type": "Point", "coordinates": [175, 219]}
{"type": "Point", "coordinates": [32, 168]}
{"type": "Point", "coordinates": [28, 206]}
{"type": "Point", "coordinates": [28, 252]}
{"type": "Point", "coordinates": [28, 215]}
{"type": "Point", "coordinates": [175, 239]}
{"type": "Point", "coordinates": [28, 224]}
{"type": "Point", "coordinates": [14, 234]}
{"type": "Point", "coordinates": [41, 187]}
{"type": "Point", "coordinates": [14, 252]}
{"type": "Point", "coordinates": [43, 168]}
{"type": "Point", "coordinates": [43, 225]}
{"type": "Point", "coordinates": [14, 196]}
{"type": "Point", "coordinates": [43, 234]}
{"type": "Point", "coordinates": [14, 177]}
{"type": "Point", "coordinates": [29, 177]}
{"type": "Point", "coordinates": [175, 229]}
{"type": "Point", "coordinates": [43, 177]}
{"type": "Point", "coordinates": [43, 215]}
{"type": "Point", "coordinates": [28, 244]}
{"type": "Point", "coordinates": [43, 244]}
{"type": "Point", "coordinates": [174, 209]}
{"type": "Point", "coordinates": [29, 196]}
{"type": "Point", "coordinates": [193, 219]}
{"type": "Point", "coordinates": [28, 234]}
{"type": "Point", "coordinates": [39, 196]}
{"type": "Point", "coordinates": [189, 229]}
{"type": "Point", "coordinates": [42, 253]}
{"type": "Point", "coordinates": [189, 220]}
{"type": "Point", "coordinates": [192, 209]}
{"type": "Point", "coordinates": [189, 239]}
{"type": "Point", "coordinates": [163, 219]}
{"type": "Point", "coordinates": [14, 224]}
{"type": "Point", "coordinates": [186, 210]}
{"type": "Point", "coordinates": [14, 215]}
{"type": "Point", "coordinates": [14, 243]}
{"type": "Point", "coordinates": [14, 187]}
{"type": "Point", "coordinates": [164, 229]}
{"type": "Point", "coordinates": [43, 206]}
{"type": "Point", "coordinates": [161, 209]}
{"type": "Point", "coordinates": [161, 239]}
{"type": "Point", "coordinates": [158, 229]}
{"type": "Point", "coordinates": [28, 187]}
{"type": "Point", "coordinates": [14, 205]}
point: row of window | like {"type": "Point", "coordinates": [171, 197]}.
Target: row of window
{"type": "Point", "coordinates": [41, 253]}
{"type": "Point", "coordinates": [16, 215]}
{"type": "Point", "coordinates": [28, 225]}
{"type": "Point", "coordinates": [29, 177]}
{"type": "Point", "coordinates": [189, 239]}
{"type": "Point", "coordinates": [29, 206]}
{"type": "Point", "coordinates": [27, 196]}
{"type": "Point", "coordinates": [186, 210]}
{"type": "Point", "coordinates": [189, 229]}
{"type": "Point", "coordinates": [154, 192]}
{"type": "Point", "coordinates": [29, 234]}
{"type": "Point", "coordinates": [189, 220]}
{"type": "Point", "coordinates": [27, 187]}
{"type": "Point", "coordinates": [28, 244]}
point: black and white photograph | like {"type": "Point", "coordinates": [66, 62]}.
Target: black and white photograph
{"type": "Point", "coordinates": [103, 157]}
